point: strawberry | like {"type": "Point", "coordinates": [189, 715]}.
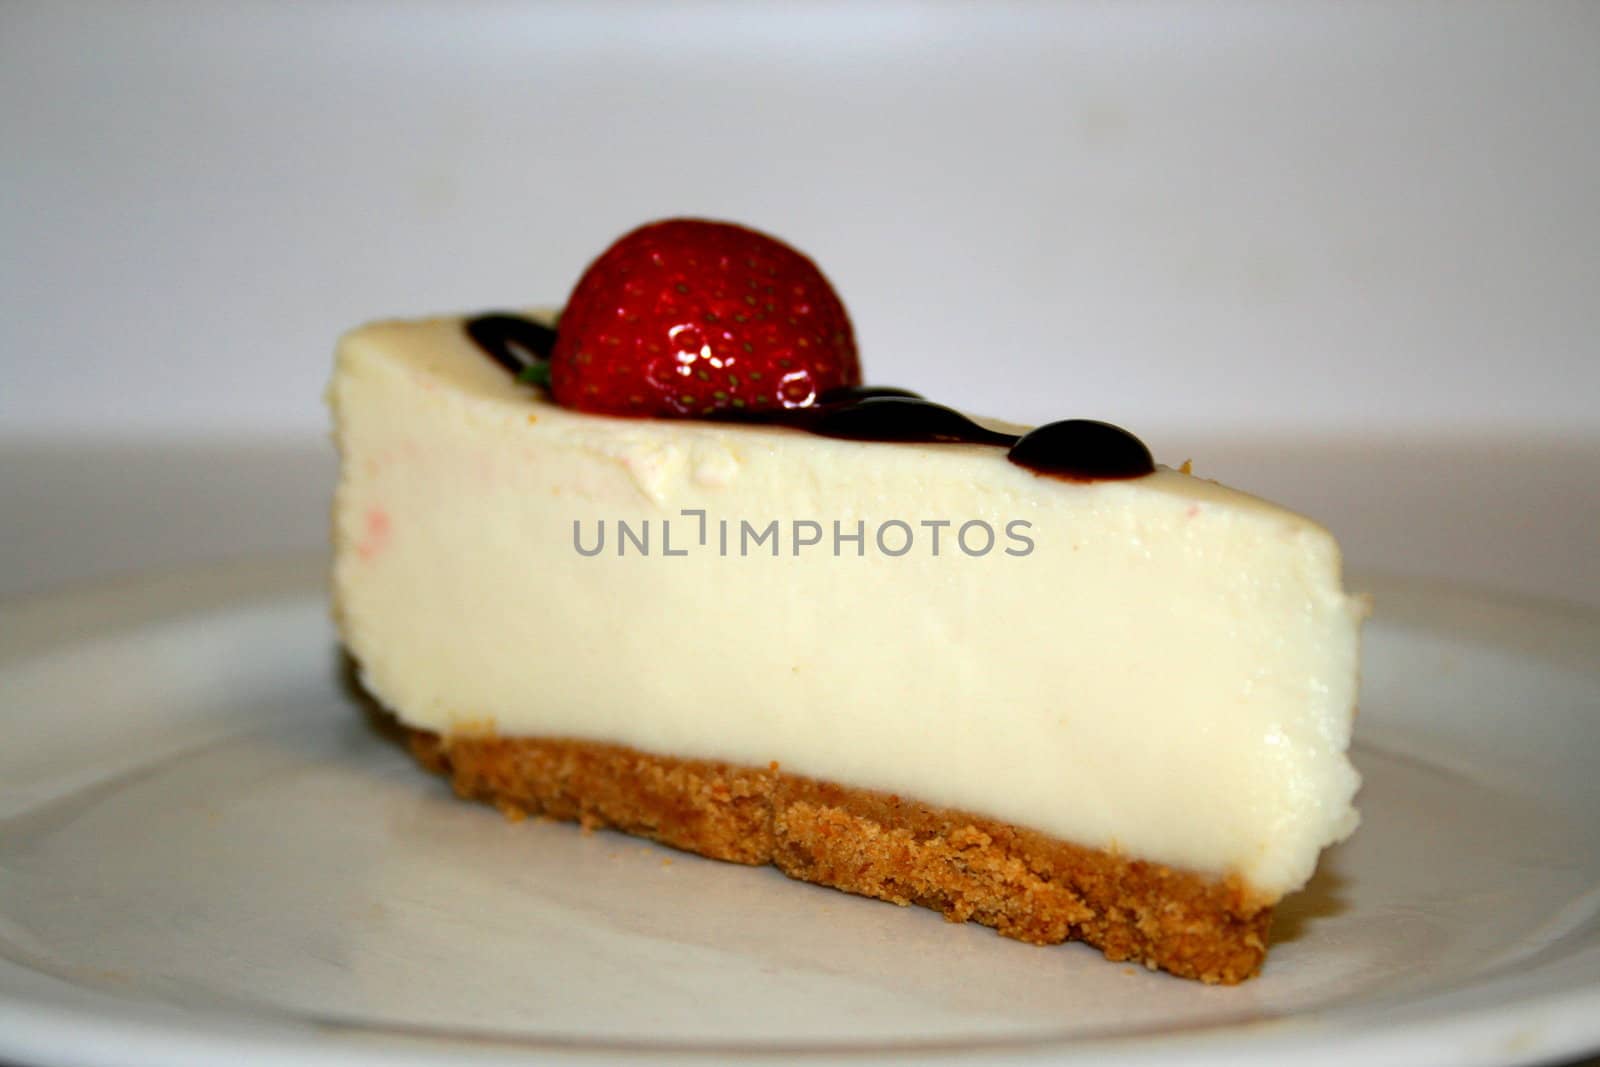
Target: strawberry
{"type": "Point", "coordinates": [687, 317]}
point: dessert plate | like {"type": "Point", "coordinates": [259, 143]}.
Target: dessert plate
{"type": "Point", "coordinates": [210, 848]}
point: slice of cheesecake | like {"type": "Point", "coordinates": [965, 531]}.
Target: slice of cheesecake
{"type": "Point", "coordinates": [1112, 710]}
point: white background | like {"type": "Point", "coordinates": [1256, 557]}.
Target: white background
{"type": "Point", "coordinates": [1347, 255]}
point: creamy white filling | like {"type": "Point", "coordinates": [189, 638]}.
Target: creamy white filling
{"type": "Point", "coordinates": [1169, 671]}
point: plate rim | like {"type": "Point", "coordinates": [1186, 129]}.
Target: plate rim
{"type": "Point", "coordinates": [1486, 1019]}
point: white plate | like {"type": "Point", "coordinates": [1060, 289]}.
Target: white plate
{"type": "Point", "coordinates": [207, 852]}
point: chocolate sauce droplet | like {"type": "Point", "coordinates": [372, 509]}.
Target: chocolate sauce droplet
{"type": "Point", "coordinates": [898, 418]}
{"type": "Point", "coordinates": [1082, 450]}
{"type": "Point", "coordinates": [844, 394]}
{"type": "Point", "coordinates": [512, 341]}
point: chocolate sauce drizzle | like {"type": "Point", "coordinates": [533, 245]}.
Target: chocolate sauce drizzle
{"type": "Point", "coordinates": [1080, 450]}
{"type": "Point", "coordinates": [512, 341]}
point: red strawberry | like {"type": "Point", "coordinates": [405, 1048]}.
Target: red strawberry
{"type": "Point", "coordinates": [687, 317]}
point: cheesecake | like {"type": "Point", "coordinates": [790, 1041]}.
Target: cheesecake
{"type": "Point", "coordinates": [1026, 678]}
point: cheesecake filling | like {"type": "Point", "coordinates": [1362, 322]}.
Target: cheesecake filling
{"type": "Point", "coordinates": [1157, 666]}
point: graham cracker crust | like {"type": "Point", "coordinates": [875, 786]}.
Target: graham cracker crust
{"type": "Point", "coordinates": [1023, 883]}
